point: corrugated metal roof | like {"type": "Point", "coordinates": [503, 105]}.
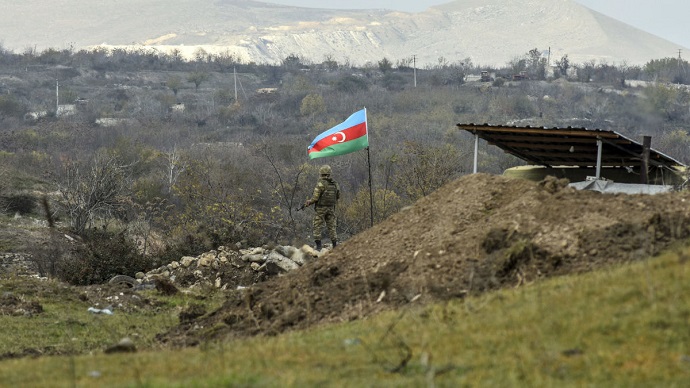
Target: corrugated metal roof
{"type": "Point", "coordinates": [568, 146]}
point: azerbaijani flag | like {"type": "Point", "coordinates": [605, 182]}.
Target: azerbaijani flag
{"type": "Point", "coordinates": [349, 136]}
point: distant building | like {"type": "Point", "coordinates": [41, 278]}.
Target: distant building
{"type": "Point", "coordinates": [112, 122]}
{"type": "Point", "coordinates": [66, 110]}
{"type": "Point", "coordinates": [33, 116]}
{"type": "Point", "coordinates": [177, 108]}
{"type": "Point", "coordinates": [266, 90]}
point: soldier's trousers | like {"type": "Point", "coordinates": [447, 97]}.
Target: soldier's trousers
{"type": "Point", "coordinates": [324, 215]}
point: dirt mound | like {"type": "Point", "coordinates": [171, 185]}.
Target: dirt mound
{"type": "Point", "coordinates": [478, 233]}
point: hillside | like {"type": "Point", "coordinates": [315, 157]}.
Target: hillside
{"type": "Point", "coordinates": [488, 32]}
{"type": "Point", "coordinates": [476, 234]}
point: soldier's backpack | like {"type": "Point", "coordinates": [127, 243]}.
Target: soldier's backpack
{"type": "Point", "coordinates": [330, 195]}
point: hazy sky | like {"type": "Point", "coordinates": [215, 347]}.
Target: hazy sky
{"type": "Point", "coordinates": [664, 18]}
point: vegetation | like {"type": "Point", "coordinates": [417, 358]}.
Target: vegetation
{"type": "Point", "coordinates": [179, 157]}
{"type": "Point", "coordinates": [625, 326]}
{"type": "Point", "coordinates": [151, 157]}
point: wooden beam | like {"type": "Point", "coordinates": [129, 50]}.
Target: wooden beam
{"type": "Point", "coordinates": [571, 155]}
{"type": "Point", "coordinates": [549, 139]}
{"type": "Point", "coordinates": [541, 131]}
{"type": "Point", "coordinates": [546, 146]}
{"type": "Point", "coordinates": [590, 164]}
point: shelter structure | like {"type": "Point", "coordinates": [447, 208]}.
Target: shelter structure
{"type": "Point", "coordinates": [592, 159]}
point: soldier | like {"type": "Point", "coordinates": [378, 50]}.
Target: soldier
{"type": "Point", "coordinates": [326, 195]}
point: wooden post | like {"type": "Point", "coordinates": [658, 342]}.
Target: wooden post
{"type": "Point", "coordinates": [600, 146]}
{"type": "Point", "coordinates": [644, 170]}
{"type": "Point", "coordinates": [476, 151]}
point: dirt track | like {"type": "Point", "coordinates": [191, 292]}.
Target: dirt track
{"type": "Point", "coordinates": [478, 233]}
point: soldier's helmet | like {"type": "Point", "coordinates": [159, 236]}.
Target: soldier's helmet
{"type": "Point", "coordinates": [325, 170]}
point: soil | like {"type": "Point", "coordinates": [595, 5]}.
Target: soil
{"type": "Point", "coordinates": [476, 234]}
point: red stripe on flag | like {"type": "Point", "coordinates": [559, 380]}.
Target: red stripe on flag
{"type": "Point", "coordinates": [351, 133]}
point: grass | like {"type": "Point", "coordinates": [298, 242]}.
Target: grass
{"type": "Point", "coordinates": [66, 327]}
{"type": "Point", "coordinates": [624, 327]}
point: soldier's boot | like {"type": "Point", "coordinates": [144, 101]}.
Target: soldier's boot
{"type": "Point", "coordinates": [318, 244]}
{"type": "Point", "coordinates": [335, 243]}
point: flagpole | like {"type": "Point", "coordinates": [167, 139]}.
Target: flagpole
{"type": "Point", "coordinates": [371, 192]}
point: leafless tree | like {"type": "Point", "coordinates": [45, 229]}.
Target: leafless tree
{"type": "Point", "coordinates": [287, 191]}
{"type": "Point", "coordinates": [93, 191]}
{"type": "Point", "coordinates": [175, 166]}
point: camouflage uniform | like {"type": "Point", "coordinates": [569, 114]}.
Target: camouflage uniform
{"type": "Point", "coordinates": [326, 194]}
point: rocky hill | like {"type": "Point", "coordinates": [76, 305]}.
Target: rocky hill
{"type": "Point", "coordinates": [489, 32]}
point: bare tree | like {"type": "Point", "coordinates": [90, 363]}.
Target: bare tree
{"type": "Point", "coordinates": [175, 166]}
{"type": "Point", "coordinates": [286, 191]}
{"type": "Point", "coordinates": [563, 65]}
{"type": "Point", "coordinates": [93, 191]}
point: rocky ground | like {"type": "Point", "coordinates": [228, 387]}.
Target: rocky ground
{"type": "Point", "coordinates": [476, 234]}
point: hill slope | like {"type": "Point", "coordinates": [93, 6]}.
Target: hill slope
{"type": "Point", "coordinates": [489, 32]}
{"type": "Point", "coordinates": [475, 234]}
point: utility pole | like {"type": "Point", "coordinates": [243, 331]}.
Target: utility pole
{"type": "Point", "coordinates": [414, 69]}
{"type": "Point", "coordinates": [681, 68]}
{"type": "Point", "coordinates": [57, 97]}
{"type": "Point", "coordinates": [234, 72]}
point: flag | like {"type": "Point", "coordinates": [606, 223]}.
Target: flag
{"type": "Point", "coordinates": [349, 136]}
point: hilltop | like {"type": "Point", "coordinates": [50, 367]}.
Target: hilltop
{"type": "Point", "coordinates": [476, 234]}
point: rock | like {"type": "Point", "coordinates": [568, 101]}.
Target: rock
{"type": "Point", "coordinates": [253, 251]}
{"type": "Point", "coordinates": [299, 257]}
{"type": "Point", "coordinates": [186, 261]}
{"type": "Point", "coordinates": [206, 259]}
{"type": "Point", "coordinates": [310, 251]}
{"type": "Point", "coordinates": [124, 346]}
{"type": "Point", "coordinates": [214, 268]}
{"type": "Point", "coordinates": [254, 258]}
{"type": "Point", "coordinates": [285, 250]}
{"type": "Point", "coordinates": [277, 263]}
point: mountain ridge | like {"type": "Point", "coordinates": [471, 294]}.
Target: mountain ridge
{"type": "Point", "coordinates": [488, 32]}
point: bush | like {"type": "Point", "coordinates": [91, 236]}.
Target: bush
{"type": "Point", "coordinates": [499, 82]}
{"type": "Point", "coordinates": [22, 204]}
{"type": "Point", "coordinates": [9, 107]}
{"type": "Point", "coordinates": [189, 245]}
{"type": "Point", "coordinates": [102, 256]}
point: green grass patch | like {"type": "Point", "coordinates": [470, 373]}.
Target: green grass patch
{"type": "Point", "coordinates": [622, 327]}
{"type": "Point", "coordinates": [67, 327]}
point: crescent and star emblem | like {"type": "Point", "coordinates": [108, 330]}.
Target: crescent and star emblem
{"type": "Point", "coordinates": [335, 137]}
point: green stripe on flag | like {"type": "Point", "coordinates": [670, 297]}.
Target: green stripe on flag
{"type": "Point", "coordinates": [342, 148]}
